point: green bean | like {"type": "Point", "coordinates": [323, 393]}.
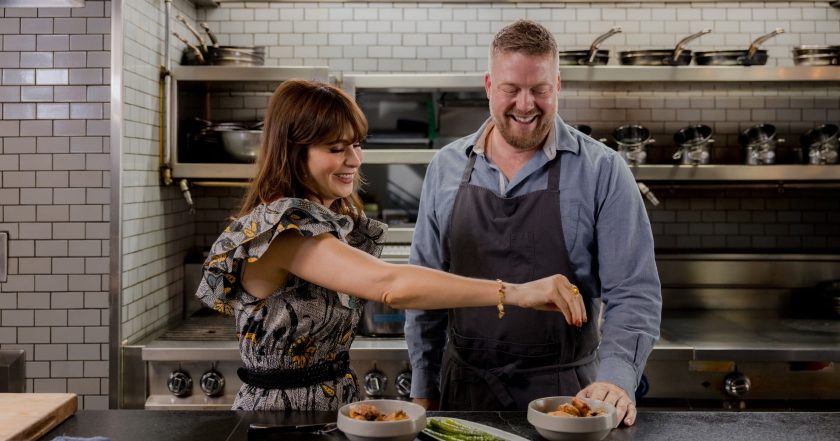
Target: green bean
{"type": "Point", "coordinates": [451, 430]}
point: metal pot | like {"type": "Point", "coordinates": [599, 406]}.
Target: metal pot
{"type": "Point", "coordinates": [242, 145]}
{"type": "Point", "coordinates": [816, 55]}
{"type": "Point", "coordinates": [753, 56]}
{"type": "Point", "coordinates": [694, 144]}
{"type": "Point", "coordinates": [631, 141]}
{"type": "Point", "coordinates": [678, 56]}
{"type": "Point", "coordinates": [822, 144]}
{"type": "Point", "coordinates": [759, 143]}
{"type": "Point", "coordinates": [380, 320]}
{"type": "Point", "coordinates": [592, 56]}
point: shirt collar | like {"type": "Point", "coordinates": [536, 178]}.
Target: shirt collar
{"type": "Point", "coordinates": [559, 138]}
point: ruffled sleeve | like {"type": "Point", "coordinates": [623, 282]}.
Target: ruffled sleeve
{"type": "Point", "coordinates": [247, 238]}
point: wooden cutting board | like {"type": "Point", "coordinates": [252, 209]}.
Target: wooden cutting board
{"type": "Point", "coordinates": [28, 416]}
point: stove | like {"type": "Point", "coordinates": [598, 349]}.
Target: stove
{"type": "Point", "coordinates": [737, 331]}
{"type": "Point", "coordinates": [193, 366]}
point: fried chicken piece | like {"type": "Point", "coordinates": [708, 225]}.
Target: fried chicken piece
{"type": "Point", "coordinates": [364, 412]}
{"type": "Point", "coordinates": [568, 409]}
{"type": "Point", "coordinates": [393, 416]}
{"type": "Point", "coordinates": [581, 406]}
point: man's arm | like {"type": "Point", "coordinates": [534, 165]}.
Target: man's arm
{"type": "Point", "coordinates": [425, 330]}
{"type": "Point", "coordinates": [630, 287]}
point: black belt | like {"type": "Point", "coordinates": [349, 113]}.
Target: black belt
{"type": "Point", "coordinates": [299, 377]}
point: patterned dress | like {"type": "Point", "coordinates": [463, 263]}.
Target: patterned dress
{"type": "Point", "coordinates": [301, 323]}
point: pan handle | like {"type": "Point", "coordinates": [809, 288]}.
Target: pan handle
{"type": "Point", "coordinates": [593, 48]}
{"type": "Point", "coordinates": [197, 51]}
{"type": "Point", "coordinates": [210, 34]}
{"type": "Point", "coordinates": [681, 44]}
{"type": "Point", "coordinates": [194, 32]}
{"type": "Point", "coordinates": [758, 41]}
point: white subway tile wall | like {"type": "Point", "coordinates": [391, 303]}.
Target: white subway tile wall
{"type": "Point", "coordinates": [54, 164]}
{"type": "Point", "coordinates": [157, 230]}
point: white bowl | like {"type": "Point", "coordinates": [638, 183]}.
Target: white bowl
{"type": "Point", "coordinates": [403, 430]}
{"type": "Point", "coordinates": [555, 428]}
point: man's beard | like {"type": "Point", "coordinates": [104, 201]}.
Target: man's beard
{"type": "Point", "coordinates": [528, 141]}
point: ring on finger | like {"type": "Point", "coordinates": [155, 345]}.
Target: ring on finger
{"type": "Point", "coordinates": [575, 290]}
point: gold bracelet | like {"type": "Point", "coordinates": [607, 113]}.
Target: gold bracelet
{"type": "Point", "coordinates": [501, 305]}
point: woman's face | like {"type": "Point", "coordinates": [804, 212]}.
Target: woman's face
{"type": "Point", "coordinates": [332, 169]}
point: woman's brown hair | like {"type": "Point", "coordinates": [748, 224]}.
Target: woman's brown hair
{"type": "Point", "coordinates": [300, 114]}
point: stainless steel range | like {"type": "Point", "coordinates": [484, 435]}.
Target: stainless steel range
{"type": "Point", "coordinates": [737, 330]}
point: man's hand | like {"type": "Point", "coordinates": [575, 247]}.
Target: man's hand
{"type": "Point", "coordinates": [625, 408]}
{"type": "Point", "coordinates": [427, 403]}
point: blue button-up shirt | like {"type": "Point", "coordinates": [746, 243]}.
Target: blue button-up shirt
{"type": "Point", "coordinates": [607, 234]}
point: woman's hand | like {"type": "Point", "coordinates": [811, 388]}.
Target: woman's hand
{"type": "Point", "coordinates": [551, 293]}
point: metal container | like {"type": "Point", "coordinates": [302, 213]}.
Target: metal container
{"type": "Point", "coordinates": [631, 141]}
{"type": "Point", "coordinates": [12, 371]}
{"type": "Point", "coordinates": [380, 320]}
{"type": "Point", "coordinates": [822, 144]}
{"type": "Point", "coordinates": [592, 56]}
{"type": "Point", "coordinates": [242, 145]}
{"type": "Point", "coordinates": [694, 144]}
{"type": "Point", "coordinates": [678, 56]}
{"type": "Point", "coordinates": [816, 55]}
{"type": "Point", "coordinates": [753, 56]}
{"type": "Point", "coordinates": [759, 144]}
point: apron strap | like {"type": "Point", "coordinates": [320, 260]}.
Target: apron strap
{"type": "Point", "coordinates": [465, 178]}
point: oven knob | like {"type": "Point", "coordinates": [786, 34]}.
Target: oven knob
{"type": "Point", "coordinates": [375, 382]}
{"type": "Point", "coordinates": [179, 383]}
{"type": "Point", "coordinates": [736, 384]}
{"type": "Point", "coordinates": [212, 383]}
{"type": "Point", "coordinates": [403, 383]}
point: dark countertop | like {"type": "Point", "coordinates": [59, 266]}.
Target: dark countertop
{"type": "Point", "coordinates": [144, 425]}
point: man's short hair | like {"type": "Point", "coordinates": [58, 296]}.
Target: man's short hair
{"type": "Point", "coordinates": [526, 37]}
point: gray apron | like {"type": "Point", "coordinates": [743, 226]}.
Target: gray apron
{"type": "Point", "coordinates": [493, 364]}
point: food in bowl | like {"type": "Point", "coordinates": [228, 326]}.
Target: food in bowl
{"type": "Point", "coordinates": [560, 428]}
{"type": "Point", "coordinates": [369, 412]}
{"type": "Point", "coordinates": [577, 408]}
{"type": "Point", "coordinates": [363, 429]}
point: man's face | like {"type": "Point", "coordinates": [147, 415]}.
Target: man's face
{"type": "Point", "coordinates": [523, 91]}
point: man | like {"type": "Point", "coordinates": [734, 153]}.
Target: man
{"type": "Point", "coordinates": [524, 197]}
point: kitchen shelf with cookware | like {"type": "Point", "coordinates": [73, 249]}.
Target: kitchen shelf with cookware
{"type": "Point", "coordinates": [210, 143]}
{"type": "Point", "coordinates": [216, 113]}
{"type": "Point", "coordinates": [691, 162]}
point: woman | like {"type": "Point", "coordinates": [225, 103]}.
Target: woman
{"type": "Point", "coordinates": [299, 263]}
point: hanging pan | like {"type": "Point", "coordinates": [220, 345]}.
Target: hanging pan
{"type": "Point", "coordinates": [750, 57]}
{"type": "Point", "coordinates": [592, 56]}
{"type": "Point", "coordinates": [678, 56]}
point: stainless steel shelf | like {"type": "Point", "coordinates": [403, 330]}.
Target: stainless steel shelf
{"type": "Point", "coordinates": [399, 156]}
{"type": "Point", "coordinates": [249, 73]}
{"type": "Point", "coordinates": [754, 173]}
{"type": "Point", "coordinates": [764, 173]}
{"type": "Point", "coordinates": [605, 73]}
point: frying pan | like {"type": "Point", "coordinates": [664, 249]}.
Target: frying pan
{"type": "Point", "coordinates": [753, 56]}
{"type": "Point", "coordinates": [816, 55]}
{"type": "Point", "coordinates": [678, 56]}
{"type": "Point", "coordinates": [218, 55]}
{"type": "Point", "coordinates": [593, 55]}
